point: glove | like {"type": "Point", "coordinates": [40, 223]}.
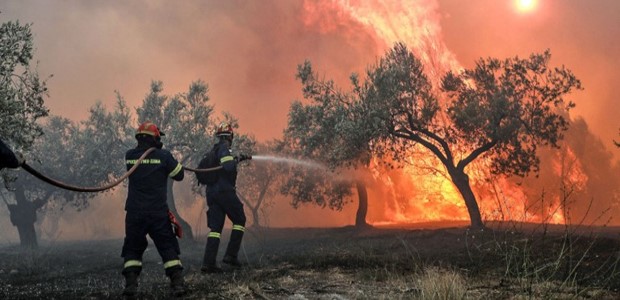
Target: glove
{"type": "Point", "coordinates": [20, 158]}
{"type": "Point", "coordinates": [243, 157]}
{"type": "Point", "coordinates": [176, 227]}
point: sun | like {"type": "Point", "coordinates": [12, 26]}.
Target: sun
{"type": "Point", "coordinates": [526, 6]}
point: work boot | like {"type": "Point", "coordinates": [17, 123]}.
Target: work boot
{"type": "Point", "coordinates": [131, 285]}
{"type": "Point", "coordinates": [177, 283]}
{"type": "Point", "coordinates": [211, 269]}
{"type": "Point", "coordinates": [231, 260]}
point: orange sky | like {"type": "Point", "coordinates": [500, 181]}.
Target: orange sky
{"type": "Point", "coordinates": [247, 51]}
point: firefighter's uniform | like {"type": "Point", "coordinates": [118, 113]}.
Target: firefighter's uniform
{"type": "Point", "coordinates": [147, 213]}
{"type": "Point", "coordinates": [223, 201]}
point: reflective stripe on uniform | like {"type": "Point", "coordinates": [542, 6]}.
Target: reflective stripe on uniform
{"type": "Point", "coordinates": [176, 170]}
{"type": "Point", "coordinates": [132, 263]}
{"type": "Point", "coordinates": [214, 234]}
{"type": "Point", "coordinates": [238, 227]}
{"type": "Point", "coordinates": [172, 263]}
{"type": "Point", "coordinates": [226, 158]}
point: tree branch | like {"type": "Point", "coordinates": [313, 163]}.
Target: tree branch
{"type": "Point", "coordinates": [416, 138]}
{"type": "Point", "coordinates": [474, 154]}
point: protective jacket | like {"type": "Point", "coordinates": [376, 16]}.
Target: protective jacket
{"type": "Point", "coordinates": [227, 179]}
{"type": "Point", "coordinates": [7, 157]}
{"type": "Point", "coordinates": [148, 183]}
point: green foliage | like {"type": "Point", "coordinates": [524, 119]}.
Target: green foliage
{"type": "Point", "coordinates": [58, 154]}
{"type": "Point", "coordinates": [503, 109]}
{"type": "Point", "coordinates": [22, 92]}
{"type": "Point", "coordinates": [88, 154]}
{"type": "Point", "coordinates": [104, 138]}
{"type": "Point", "coordinates": [509, 108]}
{"type": "Point", "coordinates": [327, 128]}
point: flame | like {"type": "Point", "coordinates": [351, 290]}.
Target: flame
{"type": "Point", "coordinates": [420, 193]}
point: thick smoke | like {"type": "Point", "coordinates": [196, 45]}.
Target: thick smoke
{"type": "Point", "coordinates": [247, 52]}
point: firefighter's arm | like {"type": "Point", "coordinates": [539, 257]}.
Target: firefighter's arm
{"type": "Point", "coordinates": [227, 160]}
{"type": "Point", "coordinates": [175, 169]}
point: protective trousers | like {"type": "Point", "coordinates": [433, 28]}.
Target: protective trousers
{"type": "Point", "coordinates": [223, 204]}
{"type": "Point", "coordinates": [157, 226]}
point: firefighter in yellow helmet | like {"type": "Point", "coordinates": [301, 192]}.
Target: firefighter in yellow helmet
{"type": "Point", "coordinates": [223, 201]}
{"type": "Point", "coordinates": [147, 211]}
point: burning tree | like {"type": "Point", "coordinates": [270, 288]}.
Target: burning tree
{"type": "Point", "coordinates": [500, 110]}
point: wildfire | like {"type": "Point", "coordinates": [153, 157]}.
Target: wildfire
{"type": "Point", "coordinates": [414, 194]}
{"type": "Point", "coordinates": [419, 194]}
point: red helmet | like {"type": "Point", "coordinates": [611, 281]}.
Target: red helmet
{"type": "Point", "coordinates": [224, 129]}
{"type": "Point", "coordinates": [150, 129]}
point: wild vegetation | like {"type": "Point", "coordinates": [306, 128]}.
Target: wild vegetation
{"type": "Point", "coordinates": [344, 263]}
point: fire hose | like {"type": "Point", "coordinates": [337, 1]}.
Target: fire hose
{"type": "Point", "coordinates": [65, 186]}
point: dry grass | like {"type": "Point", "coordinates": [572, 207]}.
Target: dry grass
{"type": "Point", "coordinates": [437, 284]}
{"type": "Point", "coordinates": [336, 264]}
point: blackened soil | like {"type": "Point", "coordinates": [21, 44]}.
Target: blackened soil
{"type": "Point", "coordinates": [505, 262]}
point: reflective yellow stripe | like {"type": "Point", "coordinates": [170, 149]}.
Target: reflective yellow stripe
{"type": "Point", "coordinates": [172, 263]}
{"type": "Point", "coordinates": [132, 263]}
{"type": "Point", "coordinates": [238, 227]}
{"type": "Point", "coordinates": [176, 170]}
{"type": "Point", "coordinates": [146, 161]}
{"type": "Point", "coordinates": [214, 234]}
{"type": "Point", "coordinates": [226, 158]}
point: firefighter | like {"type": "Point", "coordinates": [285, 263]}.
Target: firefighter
{"type": "Point", "coordinates": [147, 211]}
{"type": "Point", "coordinates": [8, 159]}
{"type": "Point", "coordinates": [223, 201]}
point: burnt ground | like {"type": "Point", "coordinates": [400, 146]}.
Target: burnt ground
{"type": "Point", "coordinates": [507, 262]}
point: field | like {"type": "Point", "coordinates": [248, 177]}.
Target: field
{"type": "Point", "coordinates": [507, 261]}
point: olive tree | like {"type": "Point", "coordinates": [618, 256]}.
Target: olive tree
{"type": "Point", "coordinates": [22, 91]}
{"type": "Point", "coordinates": [86, 154]}
{"type": "Point", "coordinates": [502, 110]}
{"type": "Point", "coordinates": [22, 94]}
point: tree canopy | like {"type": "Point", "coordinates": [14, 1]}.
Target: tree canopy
{"type": "Point", "coordinates": [500, 109]}
{"type": "Point", "coordinates": [22, 92]}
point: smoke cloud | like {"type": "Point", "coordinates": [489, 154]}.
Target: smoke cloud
{"type": "Point", "coordinates": [247, 52]}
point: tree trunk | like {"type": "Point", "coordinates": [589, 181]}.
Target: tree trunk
{"type": "Point", "coordinates": [187, 229]}
{"type": "Point", "coordinates": [255, 217]}
{"type": "Point", "coordinates": [461, 180]}
{"type": "Point", "coordinates": [362, 209]}
{"type": "Point", "coordinates": [23, 216]}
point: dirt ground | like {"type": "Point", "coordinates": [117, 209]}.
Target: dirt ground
{"type": "Point", "coordinates": [506, 262]}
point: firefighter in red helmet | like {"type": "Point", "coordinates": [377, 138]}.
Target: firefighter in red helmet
{"type": "Point", "coordinates": [147, 210]}
{"type": "Point", "coordinates": [223, 201]}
